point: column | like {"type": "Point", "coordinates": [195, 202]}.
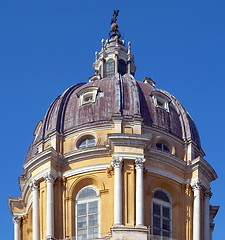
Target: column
{"type": "Point", "coordinates": [16, 221]}
{"type": "Point", "coordinates": [207, 196]}
{"type": "Point", "coordinates": [35, 217]}
{"type": "Point", "coordinates": [212, 225]}
{"type": "Point", "coordinates": [197, 211]}
{"type": "Point", "coordinates": [49, 179]}
{"type": "Point", "coordinates": [139, 165]}
{"type": "Point", "coordinates": [117, 164]}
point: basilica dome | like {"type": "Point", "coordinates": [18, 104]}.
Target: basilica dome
{"type": "Point", "coordinates": [117, 96]}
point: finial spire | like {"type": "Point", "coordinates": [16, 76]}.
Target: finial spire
{"type": "Point", "coordinates": [115, 14]}
{"type": "Point", "coordinates": [114, 26]}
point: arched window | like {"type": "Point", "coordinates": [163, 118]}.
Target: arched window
{"type": "Point", "coordinates": [88, 141]}
{"type": "Point", "coordinates": [122, 67]}
{"type": "Point", "coordinates": [163, 147]}
{"type": "Point", "coordinates": [87, 213]}
{"type": "Point", "coordinates": [161, 213]}
{"type": "Point", "coordinates": [110, 68]}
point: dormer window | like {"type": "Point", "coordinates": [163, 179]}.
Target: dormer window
{"type": "Point", "coordinates": [160, 100]}
{"type": "Point", "coordinates": [110, 68]}
{"type": "Point", "coordinates": [87, 95]}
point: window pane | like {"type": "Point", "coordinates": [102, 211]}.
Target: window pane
{"type": "Point", "coordinates": [81, 209]}
{"type": "Point", "coordinates": [93, 207]}
{"type": "Point", "coordinates": [110, 68]}
{"type": "Point", "coordinates": [159, 146]}
{"type": "Point", "coordinates": [166, 234]}
{"type": "Point", "coordinates": [161, 195]}
{"type": "Point", "coordinates": [81, 222]}
{"type": "Point", "coordinates": [90, 142]}
{"type": "Point", "coordinates": [156, 222]}
{"type": "Point", "coordinates": [93, 232]}
{"type": "Point", "coordinates": [87, 142]}
{"type": "Point", "coordinates": [165, 148]}
{"type": "Point", "coordinates": [166, 225]}
{"type": "Point", "coordinates": [122, 67]}
{"type": "Point", "coordinates": [156, 232]}
{"type": "Point", "coordinates": [82, 144]}
{"type": "Point", "coordinates": [166, 212]}
{"type": "Point", "coordinates": [82, 234]}
{"type": "Point", "coordinates": [87, 192]}
{"type": "Point", "coordinates": [156, 209]}
{"type": "Point", "coordinates": [93, 220]}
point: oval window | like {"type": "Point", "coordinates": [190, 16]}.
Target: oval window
{"type": "Point", "coordinates": [86, 142]}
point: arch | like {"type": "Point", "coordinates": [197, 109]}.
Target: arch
{"type": "Point", "coordinates": [84, 181]}
{"type": "Point", "coordinates": [77, 185]}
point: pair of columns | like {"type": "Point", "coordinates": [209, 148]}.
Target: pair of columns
{"type": "Point", "coordinates": [139, 165]}
{"type": "Point", "coordinates": [49, 179]}
{"type": "Point", "coordinates": [197, 213]}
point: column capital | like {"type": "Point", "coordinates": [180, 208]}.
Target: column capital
{"type": "Point", "coordinates": [197, 185]}
{"type": "Point", "coordinates": [207, 194]}
{"type": "Point", "coordinates": [49, 178]}
{"type": "Point", "coordinates": [117, 162]}
{"type": "Point", "coordinates": [17, 219]}
{"type": "Point", "coordinates": [139, 162]}
{"type": "Point", "coordinates": [34, 184]}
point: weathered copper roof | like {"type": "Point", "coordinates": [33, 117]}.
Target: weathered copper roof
{"type": "Point", "coordinates": [123, 96]}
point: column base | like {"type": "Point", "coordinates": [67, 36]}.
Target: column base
{"type": "Point", "coordinates": [131, 233]}
{"type": "Point", "coordinates": [141, 226]}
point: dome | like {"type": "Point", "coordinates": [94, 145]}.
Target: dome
{"type": "Point", "coordinates": [117, 96]}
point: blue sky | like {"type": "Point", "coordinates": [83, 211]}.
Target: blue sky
{"type": "Point", "coordinates": [47, 46]}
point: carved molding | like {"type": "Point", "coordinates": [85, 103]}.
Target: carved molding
{"type": "Point", "coordinates": [207, 194]}
{"type": "Point", "coordinates": [34, 185]}
{"type": "Point", "coordinates": [197, 185]}
{"type": "Point", "coordinates": [17, 219]}
{"type": "Point", "coordinates": [49, 178]}
{"type": "Point", "coordinates": [117, 162]}
{"type": "Point", "coordinates": [139, 162]}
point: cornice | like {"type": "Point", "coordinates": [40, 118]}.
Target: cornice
{"type": "Point", "coordinates": [83, 154]}
{"type": "Point", "coordinates": [49, 154]}
{"type": "Point", "coordinates": [201, 164]}
{"type": "Point", "coordinates": [128, 140]}
{"type": "Point", "coordinates": [86, 127]}
{"type": "Point", "coordinates": [164, 133]}
{"type": "Point", "coordinates": [167, 158]}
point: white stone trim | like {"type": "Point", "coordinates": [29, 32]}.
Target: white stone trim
{"type": "Point", "coordinates": [84, 169]}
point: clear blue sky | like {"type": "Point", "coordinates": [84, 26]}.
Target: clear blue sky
{"type": "Point", "coordinates": [47, 46]}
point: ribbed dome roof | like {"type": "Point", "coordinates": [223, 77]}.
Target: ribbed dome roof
{"type": "Point", "coordinates": [123, 96]}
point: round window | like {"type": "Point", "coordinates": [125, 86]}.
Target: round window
{"type": "Point", "coordinates": [88, 141]}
